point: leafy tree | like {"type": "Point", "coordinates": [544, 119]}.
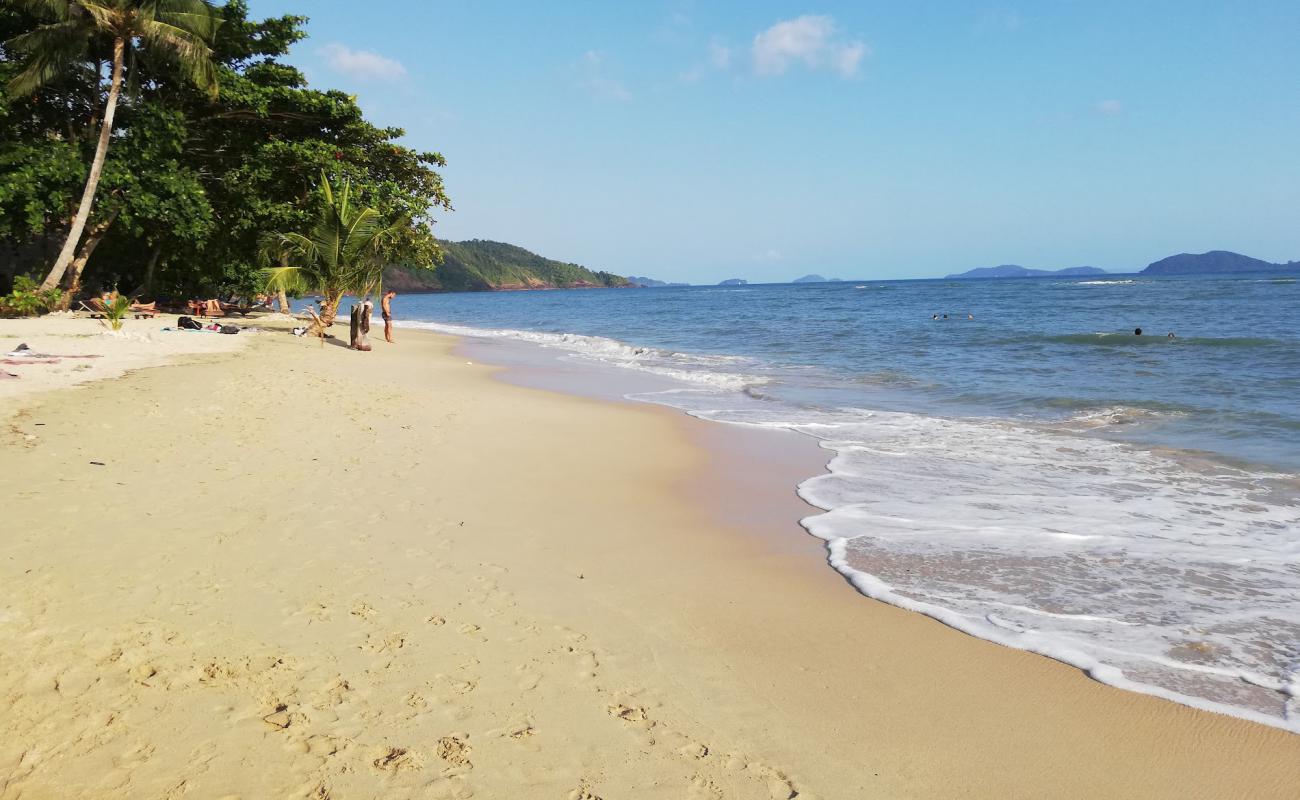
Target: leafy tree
{"type": "Point", "coordinates": [191, 185]}
{"type": "Point", "coordinates": [77, 32]}
{"type": "Point", "coordinates": [342, 252]}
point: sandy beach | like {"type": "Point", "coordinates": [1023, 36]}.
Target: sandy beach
{"type": "Point", "coordinates": [270, 568]}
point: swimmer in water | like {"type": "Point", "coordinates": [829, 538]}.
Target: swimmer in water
{"type": "Point", "coordinates": [1137, 331]}
{"type": "Point", "coordinates": [1171, 335]}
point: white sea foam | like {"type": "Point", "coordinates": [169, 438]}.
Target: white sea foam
{"type": "Point", "coordinates": [1153, 573]}
{"type": "Point", "coordinates": [711, 371]}
{"type": "Point", "coordinates": [1123, 282]}
{"type": "Point", "coordinates": [1171, 577]}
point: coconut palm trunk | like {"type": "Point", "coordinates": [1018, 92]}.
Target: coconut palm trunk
{"type": "Point", "coordinates": [95, 235]}
{"type": "Point", "coordinates": [329, 307]}
{"type": "Point", "coordinates": [96, 168]}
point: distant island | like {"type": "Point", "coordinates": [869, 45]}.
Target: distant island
{"type": "Point", "coordinates": [1215, 262]}
{"type": "Point", "coordinates": [479, 265]}
{"type": "Point", "coordinates": [1017, 271]}
{"type": "Point", "coordinates": [651, 282]}
{"type": "Point", "coordinates": [815, 278]}
{"type": "Point", "coordinates": [733, 282]}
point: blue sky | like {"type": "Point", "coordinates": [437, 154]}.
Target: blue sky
{"type": "Point", "coordinates": [699, 141]}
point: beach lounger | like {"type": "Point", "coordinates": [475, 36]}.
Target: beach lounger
{"type": "Point", "coordinates": [145, 310]}
{"type": "Point", "coordinates": [206, 308]}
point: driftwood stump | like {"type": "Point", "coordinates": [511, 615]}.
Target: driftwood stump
{"type": "Point", "coordinates": [361, 325]}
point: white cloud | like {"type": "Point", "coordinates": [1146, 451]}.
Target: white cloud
{"type": "Point", "coordinates": [1110, 107]}
{"type": "Point", "coordinates": [362, 64]}
{"type": "Point", "coordinates": [809, 40]}
{"type": "Point", "coordinates": [596, 81]}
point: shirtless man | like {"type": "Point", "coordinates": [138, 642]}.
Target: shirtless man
{"type": "Point", "coordinates": [386, 307]}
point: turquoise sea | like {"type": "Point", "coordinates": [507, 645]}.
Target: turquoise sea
{"type": "Point", "coordinates": [1007, 455]}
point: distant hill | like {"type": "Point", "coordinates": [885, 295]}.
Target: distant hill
{"type": "Point", "coordinates": [651, 282]}
{"type": "Point", "coordinates": [733, 282]}
{"type": "Point", "coordinates": [1017, 271]}
{"type": "Point", "coordinates": [481, 266]}
{"type": "Point", "coordinates": [1214, 262]}
{"type": "Point", "coordinates": [813, 278]}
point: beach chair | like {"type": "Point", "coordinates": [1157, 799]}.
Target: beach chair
{"type": "Point", "coordinates": [145, 310]}
{"type": "Point", "coordinates": [94, 305]}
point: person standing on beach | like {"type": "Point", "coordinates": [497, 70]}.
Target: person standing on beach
{"type": "Point", "coordinates": [386, 308]}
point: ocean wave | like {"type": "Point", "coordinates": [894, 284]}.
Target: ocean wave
{"type": "Point", "coordinates": [706, 370]}
{"type": "Point", "coordinates": [1151, 571]}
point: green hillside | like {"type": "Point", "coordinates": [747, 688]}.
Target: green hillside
{"type": "Point", "coordinates": [480, 266]}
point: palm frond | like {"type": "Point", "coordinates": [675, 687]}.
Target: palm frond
{"type": "Point", "coordinates": [198, 17]}
{"type": "Point", "coordinates": [187, 50]}
{"type": "Point", "coordinates": [46, 9]}
{"type": "Point", "coordinates": [52, 50]}
{"type": "Point", "coordinates": [286, 279]}
{"type": "Point", "coordinates": [107, 17]}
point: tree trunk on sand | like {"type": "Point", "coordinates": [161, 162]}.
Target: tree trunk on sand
{"type": "Point", "coordinates": [92, 182]}
{"type": "Point", "coordinates": [72, 278]}
{"type": "Point", "coordinates": [361, 326]}
{"type": "Point", "coordinates": [283, 299]}
{"type": "Point", "coordinates": [149, 270]}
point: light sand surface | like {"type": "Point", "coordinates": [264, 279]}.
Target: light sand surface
{"type": "Point", "coordinates": [308, 572]}
{"type": "Point", "coordinates": [140, 343]}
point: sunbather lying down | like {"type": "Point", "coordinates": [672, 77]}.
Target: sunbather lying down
{"type": "Point", "coordinates": [206, 308]}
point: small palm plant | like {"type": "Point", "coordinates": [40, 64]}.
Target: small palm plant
{"type": "Point", "coordinates": [116, 307]}
{"type": "Point", "coordinates": [341, 253]}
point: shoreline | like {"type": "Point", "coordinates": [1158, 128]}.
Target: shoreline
{"type": "Point", "coordinates": [594, 633]}
{"type": "Point", "coordinates": [532, 364]}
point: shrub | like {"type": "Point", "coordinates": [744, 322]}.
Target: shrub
{"type": "Point", "coordinates": [27, 299]}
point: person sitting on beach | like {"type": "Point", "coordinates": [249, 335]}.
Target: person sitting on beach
{"type": "Point", "coordinates": [386, 308]}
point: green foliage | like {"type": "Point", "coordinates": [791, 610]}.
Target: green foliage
{"type": "Point", "coordinates": [479, 265]}
{"type": "Point", "coordinates": [340, 253]}
{"type": "Point", "coordinates": [27, 299]}
{"type": "Point", "coordinates": [74, 33]}
{"type": "Point", "coordinates": [116, 307]}
{"type": "Point", "coordinates": [196, 183]}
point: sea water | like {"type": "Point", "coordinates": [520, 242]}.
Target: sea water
{"type": "Point", "coordinates": [1006, 455]}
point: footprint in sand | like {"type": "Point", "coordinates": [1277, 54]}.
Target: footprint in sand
{"type": "Point", "coordinates": [454, 750]}
{"type": "Point", "coordinates": [363, 611]}
{"type": "Point", "coordinates": [395, 759]}
{"type": "Point", "coordinates": [384, 644]}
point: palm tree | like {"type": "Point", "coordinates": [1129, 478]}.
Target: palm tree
{"type": "Point", "coordinates": [180, 31]}
{"type": "Point", "coordinates": [340, 254]}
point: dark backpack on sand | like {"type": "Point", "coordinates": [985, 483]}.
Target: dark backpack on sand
{"type": "Point", "coordinates": [229, 329]}
{"type": "Point", "coordinates": [185, 323]}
